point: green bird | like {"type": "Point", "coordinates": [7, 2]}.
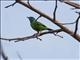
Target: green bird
{"type": "Point", "coordinates": [37, 26]}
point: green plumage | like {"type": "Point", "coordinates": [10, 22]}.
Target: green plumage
{"type": "Point", "coordinates": [37, 25]}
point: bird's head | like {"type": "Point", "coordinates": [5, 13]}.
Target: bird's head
{"type": "Point", "coordinates": [31, 19]}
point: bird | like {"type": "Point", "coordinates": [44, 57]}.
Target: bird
{"type": "Point", "coordinates": [38, 26]}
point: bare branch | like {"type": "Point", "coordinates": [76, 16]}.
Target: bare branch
{"type": "Point", "coordinates": [68, 23]}
{"type": "Point", "coordinates": [3, 54]}
{"type": "Point", "coordinates": [28, 3]}
{"type": "Point", "coordinates": [32, 36]}
{"type": "Point", "coordinates": [75, 5]}
{"type": "Point", "coordinates": [11, 5]}
{"type": "Point", "coordinates": [76, 26]}
{"type": "Point", "coordinates": [65, 0]}
{"type": "Point", "coordinates": [38, 17]}
{"type": "Point", "coordinates": [54, 13]}
{"type": "Point", "coordinates": [20, 57]}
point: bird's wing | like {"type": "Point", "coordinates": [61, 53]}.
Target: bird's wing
{"type": "Point", "coordinates": [40, 24]}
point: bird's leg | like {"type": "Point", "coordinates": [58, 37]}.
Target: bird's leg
{"type": "Point", "coordinates": [37, 36]}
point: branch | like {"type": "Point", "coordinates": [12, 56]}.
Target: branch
{"type": "Point", "coordinates": [38, 17]}
{"type": "Point", "coordinates": [20, 57]}
{"type": "Point", "coordinates": [76, 26]}
{"type": "Point", "coordinates": [16, 1]}
{"type": "Point", "coordinates": [3, 54]}
{"type": "Point", "coordinates": [33, 36]}
{"type": "Point", "coordinates": [11, 5]}
{"type": "Point", "coordinates": [54, 13]}
{"type": "Point", "coordinates": [28, 2]}
{"type": "Point", "coordinates": [77, 6]}
{"type": "Point", "coordinates": [68, 23]}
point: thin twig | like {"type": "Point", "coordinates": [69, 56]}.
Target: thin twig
{"type": "Point", "coordinates": [11, 5]}
{"type": "Point", "coordinates": [38, 17]}
{"type": "Point", "coordinates": [68, 23]}
{"type": "Point", "coordinates": [54, 13]}
{"type": "Point", "coordinates": [76, 26]}
{"type": "Point", "coordinates": [20, 57]}
{"type": "Point", "coordinates": [5, 57]}
{"type": "Point", "coordinates": [28, 3]}
{"type": "Point", "coordinates": [56, 34]}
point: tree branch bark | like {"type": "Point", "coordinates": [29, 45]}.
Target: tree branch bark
{"type": "Point", "coordinates": [33, 36]}
{"type": "Point", "coordinates": [75, 5]}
